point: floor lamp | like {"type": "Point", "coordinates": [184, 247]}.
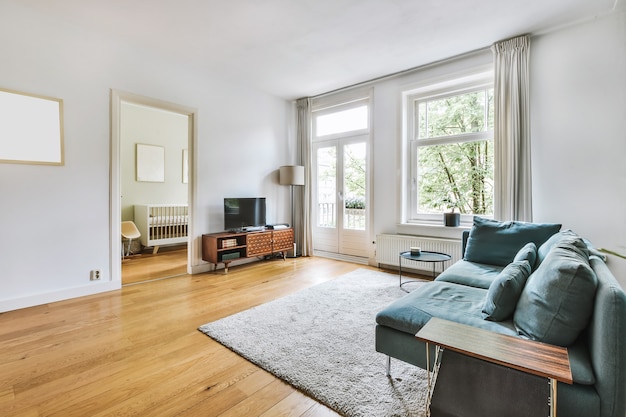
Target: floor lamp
{"type": "Point", "coordinates": [292, 175]}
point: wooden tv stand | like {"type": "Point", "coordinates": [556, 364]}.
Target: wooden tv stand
{"type": "Point", "coordinates": [225, 247]}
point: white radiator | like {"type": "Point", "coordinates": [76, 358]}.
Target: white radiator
{"type": "Point", "coordinates": [388, 248]}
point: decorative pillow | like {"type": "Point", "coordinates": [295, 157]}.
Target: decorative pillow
{"type": "Point", "coordinates": [557, 301]}
{"type": "Point", "coordinates": [527, 253]}
{"type": "Point", "coordinates": [544, 249]}
{"type": "Point", "coordinates": [496, 243]}
{"type": "Point", "coordinates": [505, 290]}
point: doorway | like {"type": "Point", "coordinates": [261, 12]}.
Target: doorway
{"type": "Point", "coordinates": [340, 175]}
{"type": "Point", "coordinates": [152, 156]}
{"type": "Point", "coordinates": [341, 181]}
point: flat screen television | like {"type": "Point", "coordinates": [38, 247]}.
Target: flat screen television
{"type": "Point", "coordinates": [241, 214]}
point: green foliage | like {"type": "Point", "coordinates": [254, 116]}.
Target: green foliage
{"type": "Point", "coordinates": [455, 115]}
{"type": "Point", "coordinates": [458, 175]}
{"type": "Point", "coordinates": [355, 203]}
{"type": "Point", "coordinates": [354, 171]}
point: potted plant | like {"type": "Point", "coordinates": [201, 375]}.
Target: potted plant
{"type": "Point", "coordinates": [452, 218]}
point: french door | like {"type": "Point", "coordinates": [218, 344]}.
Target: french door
{"type": "Point", "coordinates": [340, 198]}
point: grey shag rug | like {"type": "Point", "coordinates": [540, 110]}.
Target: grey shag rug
{"type": "Point", "coordinates": [321, 341]}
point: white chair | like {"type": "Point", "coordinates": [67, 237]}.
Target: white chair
{"type": "Point", "coordinates": [129, 232]}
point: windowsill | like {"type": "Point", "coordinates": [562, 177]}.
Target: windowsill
{"type": "Point", "coordinates": [432, 230]}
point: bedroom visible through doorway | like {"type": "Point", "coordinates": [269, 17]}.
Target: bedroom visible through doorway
{"type": "Point", "coordinates": [154, 189]}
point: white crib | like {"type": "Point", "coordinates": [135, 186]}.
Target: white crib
{"type": "Point", "coordinates": [162, 224]}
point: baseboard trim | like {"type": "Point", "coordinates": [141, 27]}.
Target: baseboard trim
{"type": "Point", "coordinates": [60, 295]}
{"type": "Point", "coordinates": [341, 257]}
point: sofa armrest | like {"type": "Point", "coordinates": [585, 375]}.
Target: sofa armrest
{"type": "Point", "coordinates": [464, 237]}
{"type": "Point", "coordinates": [607, 341]}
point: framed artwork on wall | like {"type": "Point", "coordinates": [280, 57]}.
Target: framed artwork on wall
{"type": "Point", "coordinates": [150, 163]}
{"type": "Point", "coordinates": [31, 129]}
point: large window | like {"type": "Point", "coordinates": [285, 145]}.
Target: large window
{"type": "Point", "coordinates": [450, 142]}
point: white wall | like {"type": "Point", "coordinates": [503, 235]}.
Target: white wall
{"type": "Point", "coordinates": [578, 103]}
{"type": "Point", "coordinates": [55, 220]}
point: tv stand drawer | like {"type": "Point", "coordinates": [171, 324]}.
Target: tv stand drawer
{"type": "Point", "coordinates": [259, 243]}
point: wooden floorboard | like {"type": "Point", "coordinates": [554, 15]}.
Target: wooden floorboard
{"type": "Point", "coordinates": [166, 263]}
{"type": "Point", "coordinates": [137, 351]}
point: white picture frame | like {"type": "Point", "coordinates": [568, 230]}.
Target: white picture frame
{"type": "Point", "coordinates": [150, 163]}
{"type": "Point", "coordinates": [31, 129]}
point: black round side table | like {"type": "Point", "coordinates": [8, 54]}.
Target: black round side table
{"type": "Point", "coordinates": [424, 256]}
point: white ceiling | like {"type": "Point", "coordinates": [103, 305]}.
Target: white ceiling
{"type": "Point", "coordinates": [297, 48]}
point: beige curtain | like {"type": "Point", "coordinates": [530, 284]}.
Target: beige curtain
{"type": "Point", "coordinates": [512, 171]}
{"type": "Point", "coordinates": [303, 197]}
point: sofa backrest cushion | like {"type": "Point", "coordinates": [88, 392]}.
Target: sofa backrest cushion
{"type": "Point", "coordinates": [505, 290]}
{"type": "Point", "coordinates": [496, 243]}
{"type": "Point", "coordinates": [557, 301]}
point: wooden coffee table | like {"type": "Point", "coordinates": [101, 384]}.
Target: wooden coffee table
{"type": "Point", "coordinates": [530, 357]}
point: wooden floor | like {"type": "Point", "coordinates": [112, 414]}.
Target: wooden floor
{"type": "Point", "coordinates": [166, 263]}
{"type": "Point", "coordinates": [137, 351]}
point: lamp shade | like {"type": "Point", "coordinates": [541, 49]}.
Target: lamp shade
{"type": "Point", "coordinates": [292, 175]}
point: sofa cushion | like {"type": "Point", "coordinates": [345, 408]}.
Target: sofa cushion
{"type": "Point", "coordinates": [505, 290]}
{"type": "Point", "coordinates": [557, 301]}
{"type": "Point", "coordinates": [544, 249]}
{"type": "Point", "coordinates": [445, 300]}
{"type": "Point", "coordinates": [527, 253]}
{"type": "Point", "coordinates": [470, 273]}
{"type": "Point", "coordinates": [497, 243]}
{"type": "Point", "coordinates": [578, 401]}
{"type": "Point", "coordinates": [580, 363]}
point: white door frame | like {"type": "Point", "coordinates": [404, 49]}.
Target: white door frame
{"type": "Point", "coordinates": [117, 96]}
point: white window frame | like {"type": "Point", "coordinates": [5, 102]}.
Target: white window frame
{"type": "Point", "coordinates": [411, 99]}
{"type": "Point", "coordinates": [337, 108]}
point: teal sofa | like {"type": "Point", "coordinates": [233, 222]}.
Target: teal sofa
{"type": "Point", "coordinates": [532, 281]}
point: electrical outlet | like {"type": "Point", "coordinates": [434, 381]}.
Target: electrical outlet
{"type": "Point", "coordinates": [94, 275]}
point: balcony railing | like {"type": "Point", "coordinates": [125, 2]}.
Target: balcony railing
{"type": "Point", "coordinates": [352, 219]}
{"type": "Point", "coordinates": [326, 215]}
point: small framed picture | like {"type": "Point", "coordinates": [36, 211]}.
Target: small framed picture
{"type": "Point", "coordinates": [150, 163]}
